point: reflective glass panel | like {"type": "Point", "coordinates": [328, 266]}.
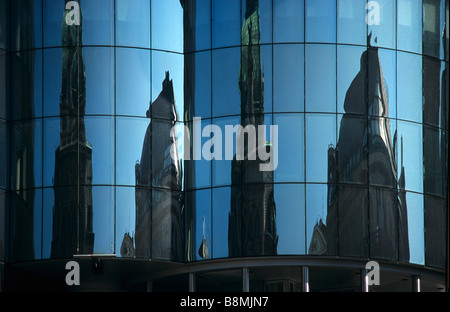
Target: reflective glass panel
{"type": "Point", "coordinates": [351, 79]}
{"type": "Point", "coordinates": [435, 161]}
{"type": "Point", "coordinates": [226, 23]}
{"type": "Point", "coordinates": [169, 65]}
{"type": "Point", "coordinates": [288, 82]}
{"type": "Point", "coordinates": [130, 145]}
{"type": "Point", "coordinates": [433, 27]}
{"type": "Point", "coordinates": [225, 82]}
{"type": "Point", "coordinates": [198, 24]}
{"type": "Point", "coordinates": [291, 161]}
{"type": "Point", "coordinates": [414, 204]}
{"type": "Point", "coordinates": [321, 219]}
{"type": "Point", "coordinates": [102, 219]}
{"type": "Point", "coordinates": [52, 128]}
{"type": "Point", "coordinates": [288, 20]}
{"type": "Point", "coordinates": [133, 23]}
{"type": "Point", "coordinates": [100, 149]}
{"type": "Point", "coordinates": [132, 81]}
{"type": "Point", "coordinates": [320, 77]}
{"type": "Point", "coordinates": [141, 197]}
{"type": "Point", "coordinates": [289, 215]}
{"type": "Point", "coordinates": [99, 71]}
{"type": "Point", "coordinates": [26, 81]}
{"type": "Point", "coordinates": [53, 18]}
{"type": "Point", "coordinates": [26, 155]}
{"type": "Point", "coordinates": [52, 68]}
{"type": "Point", "coordinates": [353, 218]}
{"type": "Point", "coordinates": [351, 22]}
{"type": "Point", "coordinates": [409, 29]}
{"type": "Point", "coordinates": [381, 19]}
{"type": "Point", "coordinates": [435, 90]}
{"type": "Point", "coordinates": [97, 22]}
{"type": "Point", "coordinates": [320, 23]}
{"type": "Point", "coordinates": [4, 60]}
{"type": "Point", "coordinates": [261, 11]}
{"type": "Point", "coordinates": [224, 229]}
{"type": "Point", "coordinates": [410, 156]}
{"type": "Point", "coordinates": [198, 78]}
{"type": "Point", "coordinates": [201, 202]}
{"type": "Point", "coordinates": [320, 136]}
{"type": "Point", "coordinates": [435, 216]}
{"type": "Point", "coordinates": [125, 225]}
{"type": "Point", "coordinates": [167, 25]}
{"type": "Point", "coordinates": [3, 204]}
{"type": "Point", "coordinates": [4, 157]}
{"type": "Point", "coordinates": [4, 24]}
{"type": "Point", "coordinates": [409, 86]}
{"type": "Point", "coordinates": [27, 28]}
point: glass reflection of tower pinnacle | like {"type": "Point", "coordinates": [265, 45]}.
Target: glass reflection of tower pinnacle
{"type": "Point", "coordinates": [72, 221]}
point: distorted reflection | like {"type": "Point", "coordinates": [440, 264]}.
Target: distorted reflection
{"type": "Point", "coordinates": [347, 162]}
{"type": "Point", "coordinates": [252, 219]}
{"type": "Point", "coordinates": [73, 215]}
{"type": "Point", "coordinates": [159, 212]}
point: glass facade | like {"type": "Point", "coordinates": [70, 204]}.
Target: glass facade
{"type": "Point", "coordinates": [114, 118]}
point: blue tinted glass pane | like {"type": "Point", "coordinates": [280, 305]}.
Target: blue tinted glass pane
{"type": "Point", "coordinates": [169, 65]}
{"type": "Point", "coordinates": [221, 227]}
{"type": "Point", "coordinates": [27, 17]}
{"type": "Point", "coordinates": [351, 22]}
{"type": "Point", "coordinates": [199, 65]}
{"type": "Point", "coordinates": [97, 22]}
{"type": "Point", "coordinates": [100, 141]}
{"type": "Point", "coordinates": [351, 79]}
{"type": "Point", "coordinates": [288, 21]}
{"type": "Point", "coordinates": [99, 71]}
{"type": "Point", "coordinates": [225, 81]}
{"type": "Point", "coordinates": [288, 69]}
{"type": "Point", "coordinates": [409, 31]}
{"type": "Point", "coordinates": [51, 143]}
{"type": "Point", "coordinates": [320, 78]}
{"type": "Point", "coordinates": [261, 11]}
{"type": "Point", "coordinates": [410, 156]}
{"type": "Point", "coordinates": [132, 81]}
{"type": "Point", "coordinates": [387, 65]}
{"type": "Point", "coordinates": [201, 201]}
{"type": "Point", "coordinates": [125, 226]}
{"type": "Point", "coordinates": [291, 148]}
{"type": "Point", "coordinates": [133, 23]}
{"type": "Point", "coordinates": [4, 22]}
{"type": "Point", "coordinates": [433, 26]}
{"type": "Point", "coordinates": [53, 13]}
{"type": "Point", "coordinates": [3, 85]}
{"type": "Point", "coordinates": [320, 135]}
{"type": "Point", "coordinates": [409, 86]}
{"type": "Point", "coordinates": [290, 218]}
{"type": "Point", "coordinates": [381, 19]}
{"type": "Point", "coordinates": [103, 219]}
{"type": "Point", "coordinates": [130, 140]}
{"type": "Point", "coordinates": [47, 221]}
{"type": "Point", "coordinates": [4, 159]}
{"type": "Point", "coordinates": [320, 18]}
{"type": "Point", "coordinates": [435, 161]}
{"type": "Point", "coordinates": [52, 76]}
{"type": "Point", "coordinates": [199, 167]}
{"type": "Point", "coordinates": [226, 21]}
{"type": "Point", "coordinates": [435, 102]}
{"type": "Point", "coordinates": [3, 205]}
{"type": "Point", "coordinates": [198, 25]}
{"type": "Point", "coordinates": [414, 203]}
{"type": "Point", "coordinates": [167, 25]}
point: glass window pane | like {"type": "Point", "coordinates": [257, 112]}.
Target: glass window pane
{"type": "Point", "coordinates": [409, 31]}
{"type": "Point", "coordinates": [198, 29]}
{"type": "Point", "coordinates": [102, 218]}
{"type": "Point", "coordinates": [99, 71]}
{"type": "Point", "coordinates": [168, 16]}
{"type": "Point", "coordinates": [100, 149]}
{"type": "Point", "coordinates": [225, 223]}
{"type": "Point", "coordinates": [3, 204]}
{"type": "Point", "coordinates": [320, 18]}
{"type": "Point", "coordinates": [198, 69]}
{"type": "Point", "coordinates": [409, 86]}
{"type": "Point", "coordinates": [260, 11]}
{"type": "Point", "coordinates": [433, 27]}
{"type": "Point", "coordinates": [320, 136]}
{"type": "Point", "coordinates": [97, 22]}
{"type": "Point", "coordinates": [226, 21]}
{"type": "Point", "coordinates": [288, 69]}
{"type": "Point", "coordinates": [201, 203]}
{"type": "Point", "coordinates": [320, 77]}
{"type": "Point", "coordinates": [435, 215]}
{"type": "Point", "coordinates": [4, 25]}
{"type": "Point", "coordinates": [435, 101]}
{"type": "Point", "coordinates": [132, 81]}
{"type": "Point", "coordinates": [291, 161]}
{"type": "Point", "coordinates": [381, 16]}
{"type": "Point", "coordinates": [27, 28]}
{"type": "Point", "coordinates": [415, 214]}
{"type": "Point", "coordinates": [133, 23]}
{"type": "Point", "coordinates": [26, 155]}
{"type": "Point", "coordinates": [288, 20]}
{"type": "Point", "coordinates": [290, 218]}
{"type": "Point", "coordinates": [351, 79]}
{"type": "Point", "coordinates": [53, 18]}
{"type": "Point", "coordinates": [410, 156]}
{"type": "Point", "coordinates": [26, 85]}
{"type": "Point", "coordinates": [435, 161]}
{"type": "Point", "coordinates": [351, 22]}
{"type": "Point", "coordinates": [169, 66]}
{"type": "Point", "coordinates": [52, 68]}
{"type": "Point", "coordinates": [225, 82]}
{"type": "Point", "coordinates": [4, 85]}
{"type": "Point", "coordinates": [4, 157]}
{"type": "Point", "coordinates": [321, 219]}
{"type": "Point", "coordinates": [125, 225]}
{"type": "Point", "coordinates": [52, 139]}
{"type": "Point", "coordinates": [131, 142]}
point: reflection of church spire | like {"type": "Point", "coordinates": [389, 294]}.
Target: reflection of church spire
{"type": "Point", "coordinates": [252, 226]}
{"type": "Point", "coordinates": [72, 220]}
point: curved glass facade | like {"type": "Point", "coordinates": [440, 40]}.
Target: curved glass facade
{"type": "Point", "coordinates": [116, 114]}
